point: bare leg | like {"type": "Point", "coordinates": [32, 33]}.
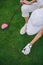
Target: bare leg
{"type": "Point", "coordinates": [27, 49]}
{"type": "Point", "coordinates": [37, 37]}
{"type": "Point", "coordinates": [26, 19]}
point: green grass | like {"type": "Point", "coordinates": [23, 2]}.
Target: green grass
{"type": "Point", "coordinates": [11, 42]}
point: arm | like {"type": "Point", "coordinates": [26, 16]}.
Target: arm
{"type": "Point", "coordinates": [32, 1]}
{"type": "Point", "coordinates": [21, 1]}
{"type": "Point", "coordinates": [29, 2]}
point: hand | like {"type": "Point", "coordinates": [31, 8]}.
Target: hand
{"type": "Point", "coordinates": [22, 1]}
{"type": "Point", "coordinates": [26, 2]}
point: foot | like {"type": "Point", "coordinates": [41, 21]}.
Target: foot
{"type": "Point", "coordinates": [23, 29]}
{"type": "Point", "coordinates": [26, 50]}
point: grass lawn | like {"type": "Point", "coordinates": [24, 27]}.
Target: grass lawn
{"type": "Point", "coordinates": [11, 42]}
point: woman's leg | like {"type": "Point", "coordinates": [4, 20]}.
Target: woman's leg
{"type": "Point", "coordinates": [40, 33]}
{"type": "Point", "coordinates": [26, 19]}
{"type": "Point", "coordinates": [26, 50]}
{"type": "Point", "coordinates": [26, 9]}
{"type": "Point", "coordinates": [25, 13]}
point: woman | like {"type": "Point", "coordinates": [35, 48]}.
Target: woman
{"type": "Point", "coordinates": [34, 26]}
{"type": "Point", "coordinates": [27, 7]}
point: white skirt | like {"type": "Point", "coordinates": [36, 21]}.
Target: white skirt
{"type": "Point", "coordinates": [35, 23]}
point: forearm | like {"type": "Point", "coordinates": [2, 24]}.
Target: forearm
{"type": "Point", "coordinates": [32, 1]}
{"type": "Point", "coordinates": [27, 2]}
{"type": "Point", "coordinates": [21, 1]}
